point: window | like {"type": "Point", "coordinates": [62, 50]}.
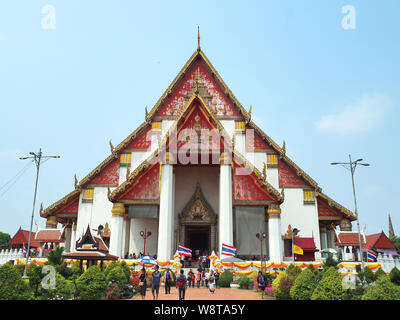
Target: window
{"type": "Point", "coordinates": [287, 243]}
{"type": "Point", "coordinates": [308, 196]}
{"type": "Point", "coordinates": [240, 125]}
{"type": "Point", "coordinates": [87, 196]}
{"type": "Point", "coordinates": [272, 160]}
{"type": "Point", "coordinates": [125, 160]}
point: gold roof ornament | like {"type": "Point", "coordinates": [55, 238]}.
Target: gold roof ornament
{"type": "Point", "coordinates": [233, 141]}
{"type": "Point", "coordinates": [111, 146]}
{"type": "Point", "coordinates": [198, 38]}
{"type": "Point", "coordinates": [264, 172]}
{"type": "Point", "coordinates": [41, 208]}
{"type": "Point", "coordinates": [146, 113]}
{"type": "Point", "coordinates": [109, 191]}
{"type": "Point", "coordinates": [76, 182]}
{"type": "Point", "coordinates": [283, 192]}
{"type": "Point", "coordinates": [249, 113]}
{"type": "Point", "coordinates": [284, 147]}
{"type": "Point", "coordinates": [128, 173]}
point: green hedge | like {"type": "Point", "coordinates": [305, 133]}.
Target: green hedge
{"type": "Point", "coordinates": [91, 284]}
{"type": "Point", "coordinates": [382, 289]}
{"type": "Point", "coordinates": [64, 290]}
{"type": "Point", "coordinates": [12, 286]}
{"type": "Point", "coordinates": [330, 287]}
{"type": "Point", "coordinates": [225, 279]}
{"type": "Point", "coordinates": [304, 285]}
{"type": "Point", "coordinates": [245, 282]}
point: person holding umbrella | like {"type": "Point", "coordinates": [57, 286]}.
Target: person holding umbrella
{"type": "Point", "coordinates": [142, 283]}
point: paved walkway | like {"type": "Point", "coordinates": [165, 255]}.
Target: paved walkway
{"type": "Point", "coordinates": [204, 294]}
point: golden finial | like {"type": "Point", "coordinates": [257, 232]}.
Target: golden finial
{"type": "Point", "coordinates": [284, 147]}
{"type": "Point", "coordinates": [198, 38]}
{"type": "Point", "coordinates": [233, 141]}
{"type": "Point", "coordinates": [108, 192]}
{"type": "Point", "coordinates": [41, 208]}
{"type": "Point", "coordinates": [128, 173]}
{"type": "Point", "coordinates": [264, 172]}
{"type": "Point", "coordinates": [76, 182]}
{"type": "Point", "coordinates": [249, 113]}
{"type": "Point", "coordinates": [146, 113]}
{"type": "Point", "coordinates": [111, 146]}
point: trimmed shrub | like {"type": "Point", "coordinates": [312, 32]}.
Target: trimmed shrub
{"type": "Point", "coordinates": [225, 279]}
{"type": "Point", "coordinates": [64, 290]}
{"type": "Point", "coordinates": [330, 286]}
{"type": "Point", "coordinates": [35, 278]}
{"type": "Point", "coordinates": [117, 274]}
{"type": "Point", "coordinates": [383, 289]}
{"type": "Point", "coordinates": [281, 286]}
{"type": "Point", "coordinates": [369, 275]}
{"type": "Point", "coordinates": [395, 276]}
{"type": "Point", "coordinates": [304, 285]}
{"type": "Point", "coordinates": [20, 268]}
{"type": "Point", "coordinates": [111, 266]}
{"type": "Point", "coordinates": [380, 273]}
{"type": "Point", "coordinates": [55, 256]}
{"type": "Point", "coordinates": [126, 270]}
{"type": "Point", "coordinates": [293, 271]}
{"type": "Point", "coordinates": [91, 284]}
{"type": "Point", "coordinates": [64, 270]}
{"type": "Point", "coordinates": [12, 286]}
{"type": "Point", "coordinates": [244, 282]}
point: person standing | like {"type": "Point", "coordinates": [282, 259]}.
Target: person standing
{"type": "Point", "coordinates": [198, 279]}
{"type": "Point", "coordinates": [143, 283]}
{"type": "Point", "coordinates": [181, 284]}
{"type": "Point", "coordinates": [211, 282]}
{"type": "Point", "coordinates": [261, 283]}
{"type": "Point", "coordinates": [190, 278]}
{"type": "Point", "coordinates": [207, 277]}
{"type": "Point", "coordinates": [167, 281]}
{"type": "Point", "coordinates": [216, 278]}
{"type": "Point", "coordinates": [155, 286]}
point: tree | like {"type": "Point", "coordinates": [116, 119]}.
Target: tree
{"type": "Point", "coordinates": [383, 289]}
{"type": "Point", "coordinates": [35, 278]}
{"type": "Point", "coordinates": [330, 286]}
{"type": "Point", "coordinates": [91, 284]}
{"type": "Point", "coordinates": [395, 276]}
{"type": "Point", "coordinates": [12, 286]}
{"type": "Point", "coordinates": [379, 273]}
{"type": "Point", "coordinates": [55, 256]}
{"type": "Point", "coordinates": [304, 285]}
{"type": "Point", "coordinates": [4, 239]}
{"type": "Point", "coordinates": [118, 276]}
{"type": "Point", "coordinates": [225, 279]}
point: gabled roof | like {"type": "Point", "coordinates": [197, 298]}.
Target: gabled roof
{"type": "Point", "coordinates": [22, 237]}
{"type": "Point", "coordinates": [333, 205]}
{"type": "Point", "coordinates": [379, 241]}
{"type": "Point", "coordinates": [49, 235]}
{"type": "Point", "coordinates": [349, 238]}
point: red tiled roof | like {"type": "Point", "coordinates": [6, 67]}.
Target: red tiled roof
{"type": "Point", "coordinates": [379, 241]}
{"type": "Point", "coordinates": [90, 254]}
{"type": "Point", "coordinates": [307, 244]}
{"type": "Point", "coordinates": [349, 238]}
{"type": "Point", "coordinates": [22, 237]}
{"type": "Point", "coordinates": [49, 235]}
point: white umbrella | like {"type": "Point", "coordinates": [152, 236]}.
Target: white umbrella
{"type": "Point", "coordinates": [148, 260]}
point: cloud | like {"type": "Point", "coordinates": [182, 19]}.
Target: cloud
{"type": "Point", "coordinates": [362, 115]}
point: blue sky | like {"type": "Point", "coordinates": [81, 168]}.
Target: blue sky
{"type": "Point", "coordinates": [327, 91]}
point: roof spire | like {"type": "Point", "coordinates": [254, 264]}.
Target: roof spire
{"type": "Point", "coordinates": [198, 38]}
{"type": "Point", "coordinates": [391, 230]}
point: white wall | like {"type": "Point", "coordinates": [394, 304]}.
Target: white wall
{"type": "Point", "coordinates": [136, 241]}
{"type": "Point", "coordinates": [299, 215]}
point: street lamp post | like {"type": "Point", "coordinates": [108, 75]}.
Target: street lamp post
{"type": "Point", "coordinates": [351, 165]}
{"type": "Point", "coordinates": [145, 235]}
{"type": "Point", "coordinates": [261, 236]}
{"type": "Point", "coordinates": [37, 158]}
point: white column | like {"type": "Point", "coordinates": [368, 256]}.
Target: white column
{"type": "Point", "coordinates": [275, 234]}
{"type": "Point", "coordinates": [117, 222]}
{"type": "Point", "coordinates": [166, 215]}
{"type": "Point", "coordinates": [68, 232]}
{"type": "Point", "coordinates": [73, 237]}
{"type": "Point", "coordinates": [225, 219]}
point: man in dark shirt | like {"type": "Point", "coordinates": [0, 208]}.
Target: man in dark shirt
{"type": "Point", "coordinates": [155, 286]}
{"type": "Point", "coordinates": [181, 284]}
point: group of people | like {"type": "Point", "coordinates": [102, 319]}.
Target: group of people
{"type": "Point", "coordinates": [134, 256]}
{"type": "Point", "coordinates": [202, 278]}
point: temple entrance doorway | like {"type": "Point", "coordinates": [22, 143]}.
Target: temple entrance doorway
{"type": "Point", "coordinates": [198, 239]}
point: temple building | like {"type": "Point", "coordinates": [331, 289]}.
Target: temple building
{"type": "Point", "coordinates": [198, 172]}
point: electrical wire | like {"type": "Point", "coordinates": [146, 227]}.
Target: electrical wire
{"type": "Point", "coordinates": [14, 179]}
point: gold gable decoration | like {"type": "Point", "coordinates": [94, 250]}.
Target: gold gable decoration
{"type": "Point", "coordinates": [197, 210]}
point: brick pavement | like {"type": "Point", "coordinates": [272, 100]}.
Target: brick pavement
{"type": "Point", "coordinates": [204, 294]}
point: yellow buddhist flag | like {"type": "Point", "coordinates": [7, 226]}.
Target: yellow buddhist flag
{"type": "Point", "coordinates": [297, 250]}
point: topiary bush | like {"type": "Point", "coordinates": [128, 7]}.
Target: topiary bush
{"type": "Point", "coordinates": [225, 279]}
{"type": "Point", "coordinates": [126, 270]}
{"type": "Point", "coordinates": [91, 284]}
{"type": "Point", "coordinates": [117, 276]}
{"type": "Point", "coordinates": [304, 285]}
{"type": "Point", "coordinates": [330, 287]}
{"type": "Point", "coordinates": [244, 282]}
{"type": "Point", "coordinates": [12, 286]}
{"type": "Point", "coordinates": [281, 286]}
{"type": "Point", "coordinates": [64, 270]}
{"type": "Point", "coordinates": [293, 271]}
{"type": "Point", "coordinates": [395, 276]}
{"type": "Point", "coordinates": [380, 273]}
{"type": "Point", "coordinates": [369, 275]}
{"type": "Point", "coordinates": [64, 290]}
{"type": "Point", "coordinates": [111, 266]}
{"type": "Point", "coordinates": [383, 289]}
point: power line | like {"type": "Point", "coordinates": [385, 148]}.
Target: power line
{"type": "Point", "coordinates": [14, 179]}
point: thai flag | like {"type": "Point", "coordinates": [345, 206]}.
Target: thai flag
{"type": "Point", "coordinates": [371, 255]}
{"type": "Point", "coordinates": [228, 250]}
{"type": "Point", "coordinates": [24, 251]}
{"type": "Point", "coordinates": [183, 251]}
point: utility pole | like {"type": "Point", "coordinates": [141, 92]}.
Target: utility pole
{"type": "Point", "coordinates": [351, 165]}
{"type": "Point", "coordinates": [37, 158]}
